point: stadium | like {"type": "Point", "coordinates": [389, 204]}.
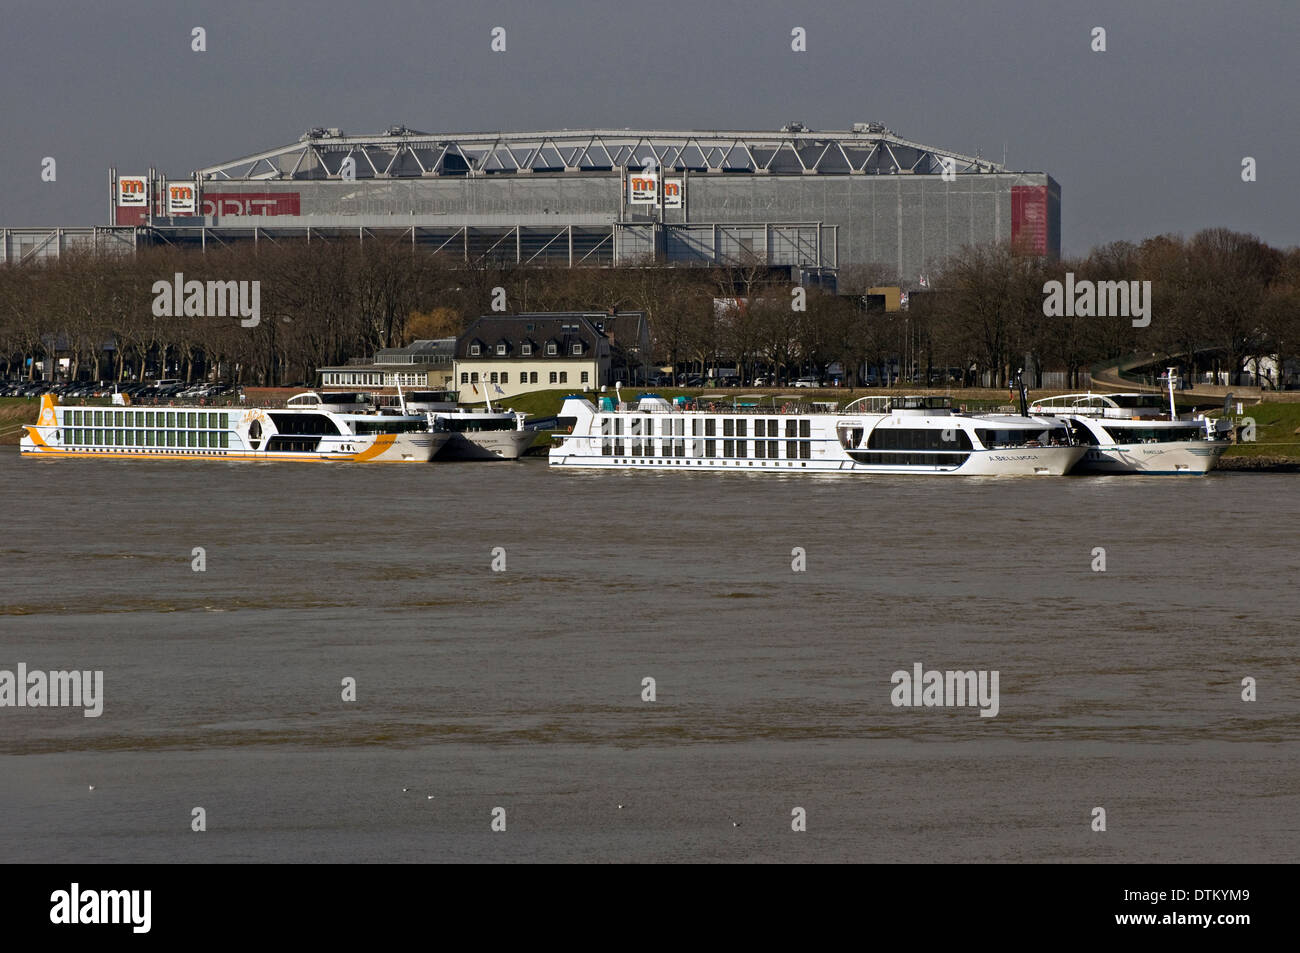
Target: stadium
{"type": "Point", "coordinates": [795, 198]}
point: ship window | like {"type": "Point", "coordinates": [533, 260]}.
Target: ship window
{"type": "Point", "coordinates": [760, 447]}
{"type": "Point", "coordinates": [728, 448]}
{"type": "Point", "coordinates": [193, 421]}
{"type": "Point", "coordinates": [728, 428]}
{"type": "Point", "coordinates": [148, 438]}
{"type": "Point", "coordinates": [99, 418]}
{"type": "Point", "coordinates": [203, 438]}
{"type": "Point", "coordinates": [760, 428]}
{"type": "Point", "coordinates": [742, 446]}
{"type": "Point", "coordinates": [193, 439]}
{"type": "Point", "coordinates": [148, 419]}
{"type": "Point", "coordinates": [171, 438]}
{"type": "Point", "coordinates": [710, 429]}
{"type": "Point", "coordinates": [225, 439]}
{"type": "Point", "coordinates": [741, 426]}
{"type": "Point", "coordinates": [710, 448]}
{"type": "Point", "coordinates": [911, 439]}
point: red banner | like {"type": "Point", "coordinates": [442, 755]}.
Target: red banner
{"type": "Point", "coordinates": [1029, 218]}
{"type": "Point", "coordinates": [222, 204]}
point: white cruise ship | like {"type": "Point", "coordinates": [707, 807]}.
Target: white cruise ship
{"type": "Point", "coordinates": [871, 435]}
{"type": "Point", "coordinates": [485, 434]}
{"type": "Point", "coordinates": [1136, 433]}
{"type": "Point", "coordinates": [311, 427]}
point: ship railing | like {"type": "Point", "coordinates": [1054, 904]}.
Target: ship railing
{"type": "Point", "coordinates": [788, 408]}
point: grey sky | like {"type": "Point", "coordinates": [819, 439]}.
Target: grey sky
{"type": "Point", "coordinates": [1145, 138]}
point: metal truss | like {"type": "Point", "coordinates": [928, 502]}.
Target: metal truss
{"type": "Point", "coordinates": [797, 244]}
{"type": "Point", "coordinates": [870, 149]}
{"type": "Point", "coordinates": [19, 245]}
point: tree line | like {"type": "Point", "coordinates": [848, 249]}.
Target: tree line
{"type": "Point", "coordinates": [1219, 299]}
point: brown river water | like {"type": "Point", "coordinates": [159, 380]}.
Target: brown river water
{"type": "Point", "coordinates": [523, 688]}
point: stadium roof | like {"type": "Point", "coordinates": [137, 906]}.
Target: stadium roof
{"type": "Point", "coordinates": [867, 149]}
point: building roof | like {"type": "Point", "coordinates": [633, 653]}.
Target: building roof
{"type": "Point", "coordinates": [432, 351]}
{"type": "Point", "coordinates": [868, 148]}
{"type": "Point", "coordinates": [563, 328]}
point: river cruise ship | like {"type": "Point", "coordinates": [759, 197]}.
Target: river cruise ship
{"type": "Point", "coordinates": [1136, 433]}
{"type": "Point", "coordinates": [309, 428]}
{"type": "Point", "coordinates": [474, 434]}
{"type": "Point", "coordinates": [885, 435]}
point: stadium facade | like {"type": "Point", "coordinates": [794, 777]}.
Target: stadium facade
{"type": "Point", "coordinates": [797, 198]}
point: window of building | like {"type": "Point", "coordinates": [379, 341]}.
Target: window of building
{"type": "Point", "coordinates": [501, 350]}
{"type": "Point", "coordinates": [532, 377]}
{"type": "Point", "coordinates": [492, 378]}
{"type": "Point", "coordinates": [552, 377]}
{"type": "Point", "coordinates": [586, 377]}
{"type": "Point", "coordinates": [474, 350]}
{"type": "Point", "coordinates": [577, 349]}
{"type": "Point", "coordinates": [564, 377]}
{"type": "Point", "coordinates": [526, 350]}
{"type": "Point", "coordinates": [551, 350]}
{"type": "Point", "coordinates": [473, 377]}
{"type": "Point", "coordinates": [464, 377]}
{"type": "Point", "coordinates": [505, 377]}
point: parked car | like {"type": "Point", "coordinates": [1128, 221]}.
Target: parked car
{"type": "Point", "coordinates": [808, 382]}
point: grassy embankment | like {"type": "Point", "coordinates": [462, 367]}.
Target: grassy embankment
{"type": "Point", "coordinates": [14, 412]}
{"type": "Point", "coordinates": [1277, 437]}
